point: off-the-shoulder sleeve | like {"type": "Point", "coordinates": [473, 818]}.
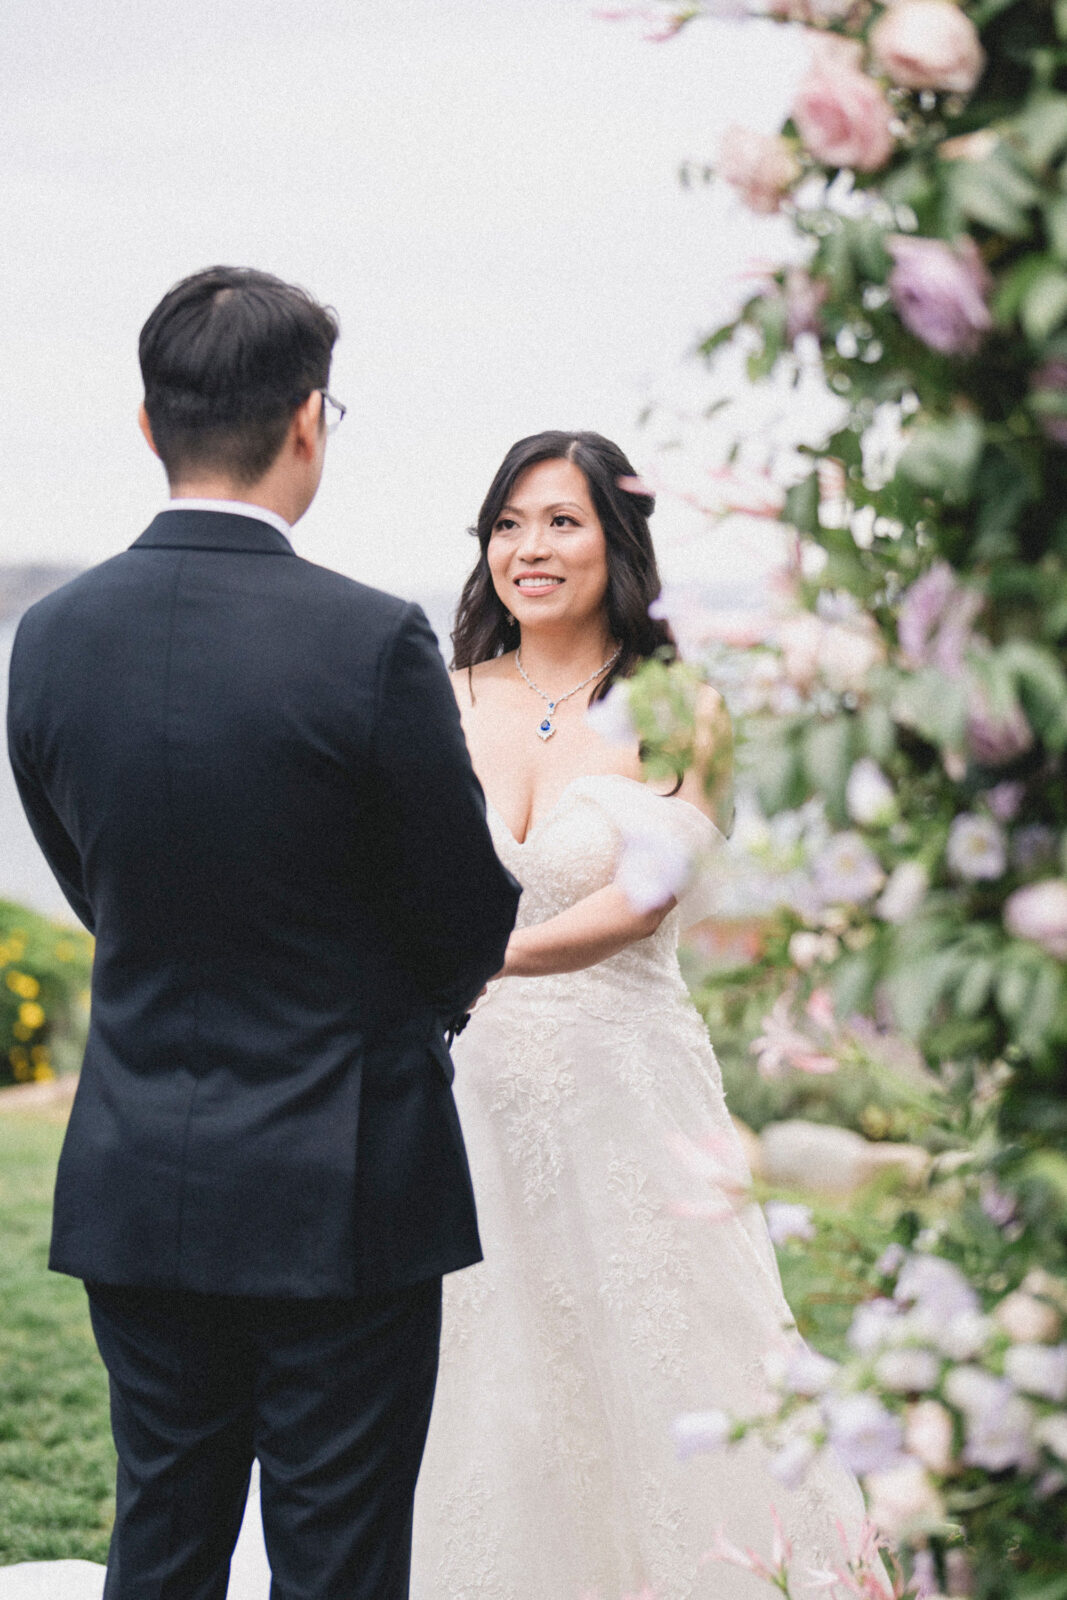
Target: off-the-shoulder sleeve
{"type": "Point", "coordinates": [637, 812]}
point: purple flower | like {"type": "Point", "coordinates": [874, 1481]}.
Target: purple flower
{"type": "Point", "coordinates": [612, 718]}
{"type": "Point", "coordinates": [934, 625]}
{"type": "Point", "coordinates": [934, 1285]}
{"type": "Point", "coordinates": [847, 871]}
{"type": "Point", "coordinates": [1049, 388]}
{"type": "Point", "coordinates": [866, 1436]}
{"type": "Point", "coordinates": [999, 1424]}
{"type": "Point", "coordinates": [785, 1221]}
{"type": "Point", "coordinates": [1004, 799]}
{"type": "Point", "coordinates": [698, 1431]}
{"type": "Point", "coordinates": [1039, 1369]}
{"type": "Point", "coordinates": [940, 292]}
{"type": "Point", "coordinates": [653, 869]}
{"type": "Point", "coordinates": [1032, 847]}
{"type": "Point", "coordinates": [1039, 912]}
{"type": "Point", "coordinates": [976, 848]}
{"type": "Point", "coordinates": [995, 738]}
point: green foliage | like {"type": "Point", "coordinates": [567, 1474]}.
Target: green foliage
{"type": "Point", "coordinates": [44, 977]}
{"type": "Point", "coordinates": [56, 1458]}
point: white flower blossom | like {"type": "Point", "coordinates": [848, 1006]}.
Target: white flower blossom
{"type": "Point", "coordinates": [809, 1373]}
{"type": "Point", "coordinates": [928, 1434]}
{"type": "Point", "coordinates": [654, 868]}
{"type": "Point", "coordinates": [872, 1325]}
{"type": "Point", "coordinates": [696, 1432]}
{"type": "Point", "coordinates": [903, 1499]}
{"type": "Point", "coordinates": [612, 718]}
{"type": "Point", "coordinates": [963, 1336]}
{"type": "Point", "coordinates": [935, 1286]}
{"type": "Point", "coordinates": [1026, 1319]}
{"type": "Point", "coordinates": [907, 1371]}
{"type": "Point", "coordinates": [904, 893]}
{"type": "Point", "coordinates": [869, 795]}
{"type": "Point", "coordinates": [1039, 1369]}
{"type": "Point", "coordinates": [790, 1464]}
{"type": "Point", "coordinates": [977, 850]}
{"type": "Point", "coordinates": [1051, 1431]}
{"type": "Point", "coordinates": [866, 1436]}
{"type": "Point", "coordinates": [847, 871]}
{"type": "Point", "coordinates": [786, 1221]}
{"type": "Point", "coordinates": [999, 1423]}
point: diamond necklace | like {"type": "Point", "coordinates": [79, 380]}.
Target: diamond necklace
{"type": "Point", "coordinates": [546, 727]}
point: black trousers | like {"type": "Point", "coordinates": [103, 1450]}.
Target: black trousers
{"type": "Point", "coordinates": [334, 1398]}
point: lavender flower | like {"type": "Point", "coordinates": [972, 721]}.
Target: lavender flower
{"type": "Point", "coordinates": [998, 1423]}
{"type": "Point", "coordinates": [1039, 1369]}
{"type": "Point", "coordinates": [847, 871]}
{"type": "Point", "coordinates": [907, 1371]}
{"type": "Point", "coordinates": [995, 738]}
{"type": "Point", "coordinates": [934, 622]}
{"type": "Point", "coordinates": [654, 869]}
{"type": "Point", "coordinates": [976, 848]}
{"type": "Point", "coordinates": [611, 717]}
{"type": "Point", "coordinates": [1039, 912]}
{"type": "Point", "coordinates": [866, 1436]}
{"type": "Point", "coordinates": [1032, 847]}
{"type": "Point", "coordinates": [696, 1432]}
{"type": "Point", "coordinates": [940, 292]}
{"type": "Point", "coordinates": [1004, 799]}
{"type": "Point", "coordinates": [785, 1221]}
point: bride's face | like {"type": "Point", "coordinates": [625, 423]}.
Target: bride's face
{"type": "Point", "coordinates": [547, 553]}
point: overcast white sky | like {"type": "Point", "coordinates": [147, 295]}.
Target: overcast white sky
{"type": "Point", "coordinates": [485, 189]}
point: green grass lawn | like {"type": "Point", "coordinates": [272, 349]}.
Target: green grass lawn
{"type": "Point", "coordinates": [57, 1463]}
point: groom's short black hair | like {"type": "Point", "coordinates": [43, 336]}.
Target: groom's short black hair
{"type": "Point", "coordinates": [226, 358]}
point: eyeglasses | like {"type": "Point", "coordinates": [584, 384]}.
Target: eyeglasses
{"type": "Point", "coordinates": [335, 414]}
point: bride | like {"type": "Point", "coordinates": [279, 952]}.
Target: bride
{"type": "Point", "coordinates": [620, 1287]}
{"type": "Point", "coordinates": [622, 1284]}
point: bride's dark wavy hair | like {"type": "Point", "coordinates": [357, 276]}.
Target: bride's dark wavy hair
{"type": "Point", "coordinates": [483, 628]}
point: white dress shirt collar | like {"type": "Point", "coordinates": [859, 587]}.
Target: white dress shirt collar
{"type": "Point", "coordinates": [234, 508]}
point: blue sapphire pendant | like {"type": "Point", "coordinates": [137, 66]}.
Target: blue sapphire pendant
{"type": "Point", "coordinates": [546, 729]}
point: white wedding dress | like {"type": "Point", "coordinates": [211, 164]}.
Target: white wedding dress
{"type": "Point", "coordinates": [626, 1281]}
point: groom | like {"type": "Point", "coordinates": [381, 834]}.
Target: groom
{"type": "Point", "coordinates": [249, 778]}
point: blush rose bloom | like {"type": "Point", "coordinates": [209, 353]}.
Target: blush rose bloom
{"type": "Point", "coordinates": [928, 44]}
{"type": "Point", "coordinates": [940, 290]}
{"type": "Point", "coordinates": [843, 116]}
{"type": "Point", "coordinates": [762, 167]}
{"type": "Point", "coordinates": [1039, 912]}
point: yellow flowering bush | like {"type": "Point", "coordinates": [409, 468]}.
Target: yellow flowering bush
{"type": "Point", "coordinates": [44, 978]}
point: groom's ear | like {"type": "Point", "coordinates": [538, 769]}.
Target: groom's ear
{"type": "Point", "coordinates": [146, 428]}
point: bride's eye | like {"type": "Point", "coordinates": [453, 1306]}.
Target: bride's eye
{"type": "Point", "coordinates": [561, 519]}
{"type": "Point", "coordinates": [504, 525]}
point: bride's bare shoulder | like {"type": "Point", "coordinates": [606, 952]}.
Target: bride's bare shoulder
{"type": "Point", "coordinates": [468, 682]}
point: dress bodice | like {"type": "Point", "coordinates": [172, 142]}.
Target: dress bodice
{"type": "Point", "coordinates": [575, 849]}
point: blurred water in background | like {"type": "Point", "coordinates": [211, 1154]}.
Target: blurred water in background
{"type": "Point", "coordinates": [24, 874]}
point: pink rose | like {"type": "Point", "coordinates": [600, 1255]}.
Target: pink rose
{"type": "Point", "coordinates": [940, 289]}
{"type": "Point", "coordinates": [842, 115]}
{"type": "Point", "coordinates": [760, 166]}
{"type": "Point", "coordinates": [928, 44]}
{"type": "Point", "coordinates": [1039, 912]}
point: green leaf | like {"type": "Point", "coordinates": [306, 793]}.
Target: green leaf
{"type": "Point", "coordinates": [802, 505]}
{"type": "Point", "coordinates": [1047, 1166]}
{"type": "Point", "coordinates": [1041, 685]}
{"type": "Point", "coordinates": [1041, 1589]}
{"type": "Point", "coordinates": [852, 982]}
{"type": "Point", "coordinates": [975, 986]}
{"type": "Point", "coordinates": [993, 192]}
{"type": "Point", "coordinates": [879, 738]}
{"type": "Point", "coordinates": [1041, 1010]}
{"type": "Point", "coordinates": [1044, 304]}
{"type": "Point", "coordinates": [1042, 127]}
{"type": "Point", "coordinates": [827, 759]}
{"type": "Point", "coordinates": [942, 457]}
{"type": "Point", "coordinates": [935, 706]}
{"type": "Point", "coordinates": [915, 989]}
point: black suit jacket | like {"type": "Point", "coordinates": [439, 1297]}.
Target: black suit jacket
{"type": "Point", "coordinates": [248, 775]}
